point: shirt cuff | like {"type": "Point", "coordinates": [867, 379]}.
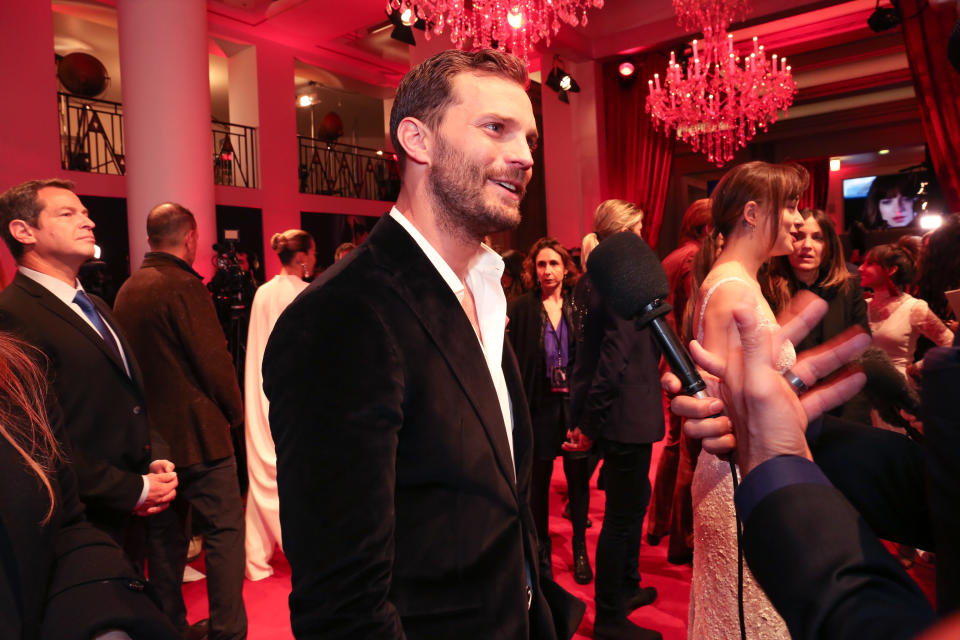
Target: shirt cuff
{"type": "Point", "coordinates": [144, 493]}
{"type": "Point", "coordinates": [775, 473]}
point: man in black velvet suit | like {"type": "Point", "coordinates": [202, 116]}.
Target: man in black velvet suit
{"type": "Point", "coordinates": [93, 373]}
{"type": "Point", "coordinates": [403, 437]}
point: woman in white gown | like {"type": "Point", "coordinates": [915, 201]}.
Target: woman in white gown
{"type": "Point", "coordinates": [297, 254]}
{"type": "Point", "coordinates": [754, 207]}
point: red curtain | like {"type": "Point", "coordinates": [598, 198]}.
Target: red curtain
{"type": "Point", "coordinates": [638, 158]}
{"type": "Point", "coordinates": [816, 195]}
{"type": "Point", "coordinates": [926, 30]}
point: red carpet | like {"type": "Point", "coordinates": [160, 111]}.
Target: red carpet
{"type": "Point", "coordinates": [269, 617]}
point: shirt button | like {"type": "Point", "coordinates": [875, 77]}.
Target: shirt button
{"type": "Point", "coordinates": [137, 410]}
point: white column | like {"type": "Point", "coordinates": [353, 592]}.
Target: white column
{"type": "Point", "coordinates": [166, 111]}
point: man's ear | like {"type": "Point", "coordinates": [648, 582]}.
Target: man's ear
{"type": "Point", "coordinates": [415, 138]}
{"type": "Point", "coordinates": [22, 232]}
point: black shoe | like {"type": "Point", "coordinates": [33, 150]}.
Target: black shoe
{"type": "Point", "coordinates": [582, 573]}
{"type": "Point", "coordinates": [622, 629]}
{"type": "Point", "coordinates": [545, 558]}
{"type": "Point", "coordinates": [642, 597]}
{"type": "Point", "coordinates": [686, 558]}
{"type": "Point", "coordinates": [198, 630]}
{"type": "Point", "coordinates": [653, 539]}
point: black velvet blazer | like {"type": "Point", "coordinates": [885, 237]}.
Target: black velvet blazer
{"type": "Point", "coordinates": [615, 388]}
{"type": "Point", "coordinates": [403, 512]}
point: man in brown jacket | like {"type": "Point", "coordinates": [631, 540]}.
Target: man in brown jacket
{"type": "Point", "coordinates": [193, 400]}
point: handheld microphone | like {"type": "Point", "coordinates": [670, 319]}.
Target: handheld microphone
{"type": "Point", "coordinates": [888, 390]}
{"type": "Point", "coordinates": [631, 279]}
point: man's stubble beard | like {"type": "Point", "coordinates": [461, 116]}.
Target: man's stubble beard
{"type": "Point", "coordinates": [457, 188]}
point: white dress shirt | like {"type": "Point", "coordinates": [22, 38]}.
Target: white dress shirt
{"type": "Point", "coordinates": [483, 279]}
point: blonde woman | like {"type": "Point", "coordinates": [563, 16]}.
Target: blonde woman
{"type": "Point", "coordinates": [615, 402]}
{"type": "Point", "coordinates": [297, 254]}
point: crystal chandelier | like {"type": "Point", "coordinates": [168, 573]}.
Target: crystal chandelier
{"type": "Point", "coordinates": [508, 25]}
{"type": "Point", "coordinates": [720, 100]}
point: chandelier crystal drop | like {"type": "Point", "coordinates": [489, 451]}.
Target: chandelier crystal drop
{"type": "Point", "coordinates": [509, 25]}
{"type": "Point", "coordinates": [722, 97]}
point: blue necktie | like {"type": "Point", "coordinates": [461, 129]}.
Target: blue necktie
{"type": "Point", "coordinates": [86, 304]}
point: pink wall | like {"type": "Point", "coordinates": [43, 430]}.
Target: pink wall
{"type": "Point", "coordinates": [572, 151]}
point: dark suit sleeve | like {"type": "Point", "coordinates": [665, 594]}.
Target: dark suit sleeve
{"type": "Point", "coordinates": [199, 329]}
{"type": "Point", "coordinates": [604, 388]}
{"type": "Point", "coordinates": [881, 473]}
{"type": "Point", "coordinates": [101, 483]}
{"type": "Point", "coordinates": [335, 383]}
{"type": "Point", "coordinates": [822, 567]}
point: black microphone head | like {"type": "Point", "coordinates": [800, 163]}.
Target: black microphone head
{"type": "Point", "coordinates": [886, 386]}
{"type": "Point", "coordinates": [627, 273]}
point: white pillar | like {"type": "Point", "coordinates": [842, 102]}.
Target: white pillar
{"type": "Point", "coordinates": [166, 111]}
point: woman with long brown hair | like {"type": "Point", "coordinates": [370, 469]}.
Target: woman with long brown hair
{"type": "Point", "coordinates": [542, 333]}
{"type": "Point", "coordinates": [817, 264]}
{"type": "Point", "coordinates": [754, 207]}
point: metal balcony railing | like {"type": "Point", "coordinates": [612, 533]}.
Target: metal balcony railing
{"type": "Point", "coordinates": [235, 155]}
{"type": "Point", "coordinates": [91, 135]}
{"type": "Point", "coordinates": [335, 169]}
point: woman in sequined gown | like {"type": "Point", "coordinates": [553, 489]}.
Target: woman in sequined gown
{"type": "Point", "coordinates": [754, 208]}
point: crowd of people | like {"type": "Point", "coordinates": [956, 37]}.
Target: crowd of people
{"type": "Point", "coordinates": [400, 443]}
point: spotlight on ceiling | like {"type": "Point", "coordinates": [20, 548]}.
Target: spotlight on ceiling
{"type": "Point", "coordinates": [883, 19]}
{"type": "Point", "coordinates": [561, 81]}
{"type": "Point", "coordinates": [404, 20]}
{"type": "Point", "coordinates": [883, 152]}
{"type": "Point", "coordinates": [834, 164]}
{"type": "Point", "coordinates": [626, 68]}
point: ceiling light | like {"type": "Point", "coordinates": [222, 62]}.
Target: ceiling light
{"type": "Point", "coordinates": [404, 18]}
{"type": "Point", "coordinates": [561, 81]}
{"type": "Point", "coordinates": [883, 152]}
{"type": "Point", "coordinates": [883, 19]}
{"type": "Point", "coordinates": [304, 101]}
{"type": "Point", "coordinates": [834, 164]}
{"type": "Point", "coordinates": [626, 69]}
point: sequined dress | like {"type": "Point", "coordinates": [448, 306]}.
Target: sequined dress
{"type": "Point", "coordinates": [714, 613]}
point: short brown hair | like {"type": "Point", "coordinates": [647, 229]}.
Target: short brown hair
{"type": "Point", "coordinates": [167, 223]}
{"type": "Point", "coordinates": [23, 202]}
{"type": "Point", "coordinates": [426, 91]}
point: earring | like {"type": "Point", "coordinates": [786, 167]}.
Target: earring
{"type": "Point", "coordinates": [303, 269]}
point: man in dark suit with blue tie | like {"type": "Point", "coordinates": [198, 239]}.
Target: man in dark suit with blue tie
{"type": "Point", "coordinates": [93, 373]}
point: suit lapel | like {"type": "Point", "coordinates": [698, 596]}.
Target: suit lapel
{"type": "Point", "coordinates": [419, 284]}
{"type": "Point", "coordinates": [56, 306]}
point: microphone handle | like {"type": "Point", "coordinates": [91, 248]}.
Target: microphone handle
{"type": "Point", "coordinates": [678, 358]}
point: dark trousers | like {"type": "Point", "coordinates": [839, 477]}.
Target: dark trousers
{"type": "Point", "coordinates": [210, 493]}
{"type": "Point", "coordinates": [661, 502]}
{"type": "Point", "coordinates": [575, 469]}
{"type": "Point", "coordinates": [625, 468]}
